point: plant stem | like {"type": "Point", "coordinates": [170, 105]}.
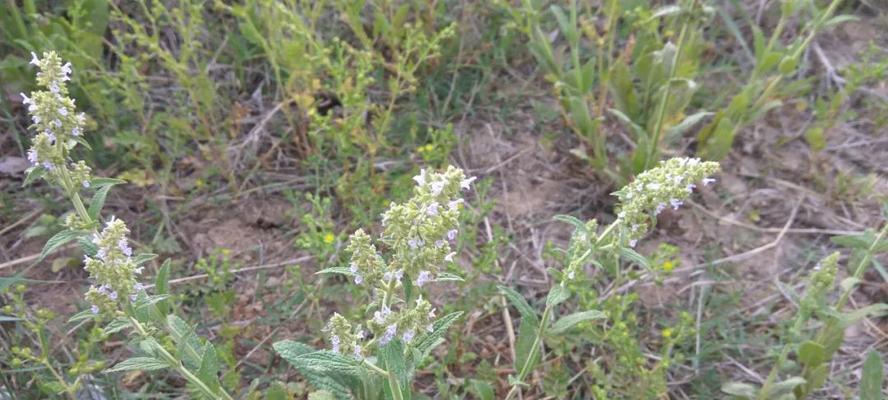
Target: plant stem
{"type": "Point", "coordinates": [180, 367]}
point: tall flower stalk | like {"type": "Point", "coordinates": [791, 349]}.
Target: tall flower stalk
{"type": "Point", "coordinates": [115, 292]}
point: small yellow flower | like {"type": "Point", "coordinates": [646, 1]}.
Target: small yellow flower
{"type": "Point", "coordinates": [668, 266]}
{"type": "Point", "coordinates": [667, 333]}
{"type": "Point", "coordinates": [226, 252]}
{"type": "Point", "coordinates": [328, 238]}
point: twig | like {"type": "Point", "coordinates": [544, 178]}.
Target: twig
{"type": "Point", "coordinates": [238, 271]}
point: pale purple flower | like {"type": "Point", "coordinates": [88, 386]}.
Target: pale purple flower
{"type": "Point", "coordinates": [407, 337]}
{"type": "Point", "coordinates": [94, 309]}
{"type": "Point", "coordinates": [357, 353]}
{"type": "Point", "coordinates": [360, 334]}
{"type": "Point", "coordinates": [571, 274]}
{"type": "Point", "coordinates": [25, 99]}
{"type": "Point", "coordinates": [399, 274]}
{"type": "Point", "coordinates": [54, 87]}
{"type": "Point", "coordinates": [449, 257]}
{"type": "Point", "coordinates": [124, 247]}
{"type": "Point", "coordinates": [36, 119]}
{"type": "Point", "coordinates": [412, 243]}
{"type": "Point", "coordinates": [676, 203]}
{"type": "Point", "coordinates": [85, 183]}
{"type": "Point", "coordinates": [63, 111]}
{"type": "Point", "coordinates": [389, 334]}
{"type": "Point", "coordinates": [466, 183]}
{"type": "Point", "coordinates": [437, 187]}
{"type": "Point", "coordinates": [633, 242]}
{"type": "Point", "coordinates": [432, 210]}
{"type": "Point", "coordinates": [112, 295]}
{"type": "Point", "coordinates": [138, 287]}
{"type": "Point", "coordinates": [138, 271]}
{"type": "Point", "coordinates": [440, 243]}
{"type": "Point", "coordinates": [66, 70]}
{"type": "Point", "coordinates": [421, 178]}
{"type": "Point", "coordinates": [76, 131]}
{"type": "Point", "coordinates": [57, 123]}
{"type": "Point", "coordinates": [101, 254]}
{"type": "Point", "coordinates": [653, 186]}
{"type": "Point", "coordinates": [81, 118]}
{"type": "Point", "coordinates": [454, 205]}
{"type": "Point", "coordinates": [51, 137]}
{"type": "Point", "coordinates": [358, 279]}
{"type": "Point", "coordinates": [133, 297]}
{"type": "Point", "coordinates": [660, 208]}
{"type": "Point", "coordinates": [451, 234]}
{"type": "Point", "coordinates": [32, 156]}
{"type": "Point", "coordinates": [691, 187]}
{"type": "Point", "coordinates": [335, 342]}
{"type": "Point", "coordinates": [102, 289]}
{"type": "Point", "coordinates": [34, 59]}
{"type": "Point", "coordinates": [353, 268]}
{"type": "Point", "coordinates": [707, 181]}
{"type": "Point", "coordinates": [48, 165]}
{"type": "Point", "coordinates": [423, 278]}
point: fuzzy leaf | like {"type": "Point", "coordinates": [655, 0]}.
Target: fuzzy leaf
{"type": "Point", "coordinates": [58, 240]}
{"type": "Point", "coordinates": [448, 277]}
{"type": "Point", "coordinates": [162, 286]}
{"type": "Point", "coordinates": [519, 303]}
{"type": "Point", "coordinates": [872, 378]}
{"type": "Point", "coordinates": [811, 354]}
{"type": "Point", "coordinates": [295, 352]}
{"type": "Point", "coordinates": [740, 389]}
{"type": "Point", "coordinates": [391, 357]}
{"type": "Point", "coordinates": [527, 353]}
{"type": "Point", "coordinates": [557, 295]}
{"type": "Point", "coordinates": [139, 363]}
{"type": "Point", "coordinates": [634, 257]}
{"type": "Point", "coordinates": [569, 321]}
{"type": "Point", "coordinates": [98, 201]}
{"type": "Point", "coordinates": [335, 270]}
{"type": "Point", "coordinates": [428, 342]}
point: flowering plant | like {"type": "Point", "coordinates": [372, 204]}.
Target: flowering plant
{"type": "Point", "coordinates": [401, 328]}
{"type": "Point", "coordinates": [116, 295]}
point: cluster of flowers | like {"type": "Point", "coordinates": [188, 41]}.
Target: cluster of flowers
{"type": "Point", "coordinates": [420, 235]}
{"type": "Point", "coordinates": [112, 268]}
{"type": "Point", "coordinates": [59, 128]}
{"type": "Point", "coordinates": [652, 191]}
{"type": "Point", "coordinates": [55, 119]}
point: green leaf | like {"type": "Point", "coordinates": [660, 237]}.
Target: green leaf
{"type": "Point", "coordinates": [740, 389]}
{"type": "Point", "coordinates": [873, 375]}
{"type": "Point", "coordinates": [98, 201]}
{"type": "Point", "coordinates": [209, 368]}
{"type": "Point", "coordinates": [428, 342]}
{"type": "Point", "coordinates": [519, 303]}
{"type": "Point", "coordinates": [34, 173]}
{"type": "Point", "coordinates": [634, 257]}
{"type": "Point", "coordinates": [335, 270]}
{"type": "Point", "coordinates": [162, 286]}
{"type": "Point", "coordinates": [317, 395]}
{"type": "Point", "coordinates": [278, 391]}
{"type": "Point", "coordinates": [117, 325]}
{"type": "Point", "coordinates": [391, 357]}
{"type": "Point", "coordinates": [569, 321]}
{"type": "Point", "coordinates": [7, 318]}
{"type": "Point", "coordinates": [482, 390]}
{"type": "Point", "coordinates": [787, 385]}
{"type": "Point", "coordinates": [527, 353]}
{"type": "Point", "coordinates": [875, 310]}
{"type": "Point", "coordinates": [687, 123]}
{"type": "Point", "coordinates": [665, 11]}
{"type": "Point", "coordinates": [838, 19]}
{"type": "Point", "coordinates": [139, 363]}
{"type": "Point", "coordinates": [293, 352]}
{"type": "Point", "coordinates": [101, 181]}
{"type": "Point", "coordinates": [140, 259]}
{"type": "Point", "coordinates": [58, 240]}
{"type": "Point", "coordinates": [557, 295]}
{"type": "Point", "coordinates": [448, 277]}
{"type": "Point", "coordinates": [811, 354]}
